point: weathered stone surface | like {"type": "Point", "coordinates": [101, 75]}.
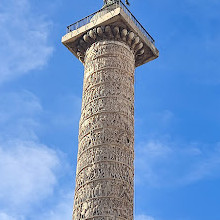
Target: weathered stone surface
{"type": "Point", "coordinates": [110, 44]}
{"type": "Point", "coordinates": [110, 33]}
{"type": "Point", "coordinates": [105, 170]}
{"type": "Point", "coordinates": [112, 23]}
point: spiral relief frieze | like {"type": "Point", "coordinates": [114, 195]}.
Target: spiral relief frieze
{"type": "Point", "coordinates": [105, 164]}
{"type": "Point", "coordinates": [108, 76]}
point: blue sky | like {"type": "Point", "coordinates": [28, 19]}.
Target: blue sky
{"type": "Point", "coordinates": [177, 107]}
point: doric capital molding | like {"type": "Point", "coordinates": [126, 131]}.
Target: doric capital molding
{"type": "Point", "coordinates": [110, 32]}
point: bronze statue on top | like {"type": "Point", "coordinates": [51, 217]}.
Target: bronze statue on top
{"type": "Point", "coordinates": [127, 2]}
{"type": "Point", "coordinates": [109, 2]}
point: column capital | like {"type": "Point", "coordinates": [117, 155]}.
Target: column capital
{"type": "Point", "coordinates": [111, 23]}
{"type": "Point", "coordinates": [110, 32]}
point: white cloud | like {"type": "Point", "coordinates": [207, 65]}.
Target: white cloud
{"type": "Point", "coordinates": [63, 210]}
{"type": "Point", "coordinates": [161, 163]}
{"type": "Point", "coordinates": [144, 217]}
{"type": "Point", "coordinates": [18, 115]}
{"type": "Point", "coordinates": [23, 39]}
{"type": "Point", "coordinates": [28, 172]}
{"type": "Point", "coordinates": [4, 216]}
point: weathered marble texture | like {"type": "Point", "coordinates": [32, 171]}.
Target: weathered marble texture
{"type": "Point", "coordinates": [105, 165]}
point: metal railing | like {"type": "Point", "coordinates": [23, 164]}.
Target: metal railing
{"type": "Point", "coordinates": [93, 18]}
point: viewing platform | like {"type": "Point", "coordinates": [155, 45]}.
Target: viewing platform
{"type": "Point", "coordinates": [114, 15]}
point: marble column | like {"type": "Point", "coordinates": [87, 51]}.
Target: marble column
{"type": "Point", "coordinates": [105, 165]}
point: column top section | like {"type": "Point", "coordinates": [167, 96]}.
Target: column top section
{"type": "Point", "coordinates": [114, 22]}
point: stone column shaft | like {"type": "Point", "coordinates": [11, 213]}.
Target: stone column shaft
{"type": "Point", "coordinates": [110, 43]}
{"type": "Point", "coordinates": [105, 170]}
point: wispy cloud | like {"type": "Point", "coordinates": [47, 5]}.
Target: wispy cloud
{"type": "Point", "coordinates": [24, 39]}
{"type": "Point", "coordinates": [62, 210]}
{"type": "Point", "coordinates": [162, 163]}
{"type": "Point", "coordinates": [144, 217]}
{"type": "Point", "coordinates": [29, 170]}
{"type": "Point", "coordinates": [19, 115]}
{"type": "Point", "coordinates": [28, 173]}
{"type": "Point", "coordinates": [4, 216]}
